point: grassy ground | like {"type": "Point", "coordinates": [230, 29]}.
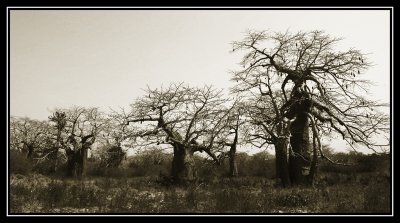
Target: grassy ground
{"type": "Point", "coordinates": [35, 193]}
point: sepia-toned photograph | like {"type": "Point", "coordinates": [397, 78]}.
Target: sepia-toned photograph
{"type": "Point", "coordinates": [199, 111]}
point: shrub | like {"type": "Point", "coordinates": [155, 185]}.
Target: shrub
{"type": "Point", "coordinates": [294, 198]}
{"type": "Point", "coordinates": [19, 164]}
{"type": "Point", "coordinates": [54, 194]}
{"type": "Point", "coordinates": [83, 194]}
{"type": "Point", "coordinates": [377, 197]}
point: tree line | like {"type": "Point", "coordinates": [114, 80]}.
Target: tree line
{"type": "Point", "coordinates": [293, 90]}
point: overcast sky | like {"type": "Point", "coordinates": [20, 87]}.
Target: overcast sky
{"type": "Point", "coordinates": [104, 58]}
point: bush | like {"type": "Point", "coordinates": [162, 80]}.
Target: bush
{"type": "Point", "coordinates": [208, 171]}
{"type": "Point", "coordinates": [36, 193]}
{"type": "Point", "coordinates": [44, 167]}
{"type": "Point", "coordinates": [19, 164]}
{"type": "Point", "coordinates": [363, 163]}
{"type": "Point", "coordinates": [377, 197]}
{"type": "Point", "coordinates": [94, 169]}
{"type": "Point", "coordinates": [149, 163]}
{"type": "Point", "coordinates": [295, 198]}
{"type": "Point", "coordinates": [262, 164]}
{"type": "Point", "coordinates": [237, 200]}
{"type": "Point", "coordinates": [54, 194]}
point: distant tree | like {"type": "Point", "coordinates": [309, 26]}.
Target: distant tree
{"type": "Point", "coordinates": [300, 86]}
{"type": "Point", "coordinates": [234, 134]}
{"type": "Point", "coordinates": [80, 130]}
{"type": "Point", "coordinates": [189, 119]}
{"type": "Point", "coordinates": [58, 119]}
{"type": "Point", "coordinates": [28, 136]}
{"type": "Point", "coordinates": [153, 161]}
{"type": "Point", "coordinates": [261, 164]}
{"type": "Point", "coordinates": [113, 134]}
{"type": "Point", "coordinates": [234, 129]}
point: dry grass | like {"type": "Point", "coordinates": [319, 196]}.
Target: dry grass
{"type": "Point", "coordinates": [36, 193]}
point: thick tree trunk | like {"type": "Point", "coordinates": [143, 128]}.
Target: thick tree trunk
{"type": "Point", "coordinates": [54, 156]}
{"type": "Point", "coordinates": [76, 163]}
{"type": "Point", "coordinates": [81, 164]}
{"type": "Point", "coordinates": [71, 162]}
{"type": "Point", "coordinates": [281, 161]}
{"type": "Point", "coordinates": [233, 170]}
{"type": "Point", "coordinates": [300, 157]}
{"type": "Point", "coordinates": [183, 166]}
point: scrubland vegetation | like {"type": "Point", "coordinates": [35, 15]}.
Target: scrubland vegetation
{"type": "Point", "coordinates": [141, 185]}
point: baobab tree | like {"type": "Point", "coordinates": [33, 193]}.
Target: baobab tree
{"type": "Point", "coordinates": [269, 127]}
{"type": "Point", "coordinates": [28, 136]}
{"type": "Point", "coordinates": [81, 127]}
{"type": "Point", "coordinates": [189, 119]}
{"type": "Point", "coordinates": [58, 119]}
{"type": "Point", "coordinates": [310, 89]}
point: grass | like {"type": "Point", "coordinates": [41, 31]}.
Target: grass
{"type": "Point", "coordinates": [35, 193]}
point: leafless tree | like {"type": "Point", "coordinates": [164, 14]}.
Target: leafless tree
{"type": "Point", "coordinates": [28, 136]}
{"type": "Point", "coordinates": [58, 119]}
{"type": "Point", "coordinates": [189, 119]}
{"type": "Point", "coordinates": [234, 134]}
{"type": "Point", "coordinates": [112, 137]}
{"type": "Point", "coordinates": [81, 128]}
{"type": "Point", "coordinates": [234, 130]}
{"type": "Point", "coordinates": [306, 87]}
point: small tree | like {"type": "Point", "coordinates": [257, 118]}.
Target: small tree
{"type": "Point", "coordinates": [234, 134]}
{"type": "Point", "coordinates": [113, 134]}
{"type": "Point", "coordinates": [234, 129]}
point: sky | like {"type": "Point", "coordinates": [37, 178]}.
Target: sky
{"type": "Point", "coordinates": [105, 58]}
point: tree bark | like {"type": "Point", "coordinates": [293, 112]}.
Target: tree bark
{"type": "Point", "coordinates": [76, 163]}
{"type": "Point", "coordinates": [233, 170]}
{"type": "Point", "coordinates": [53, 160]}
{"type": "Point", "coordinates": [183, 166]}
{"type": "Point", "coordinates": [54, 155]}
{"type": "Point", "coordinates": [314, 163]}
{"type": "Point", "coordinates": [71, 162]}
{"type": "Point", "coordinates": [82, 159]}
{"type": "Point", "coordinates": [281, 161]}
{"type": "Point", "coordinates": [300, 155]}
